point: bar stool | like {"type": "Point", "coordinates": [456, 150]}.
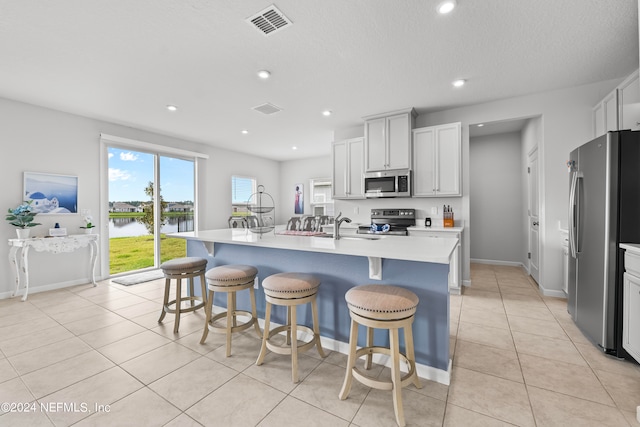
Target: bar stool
{"type": "Point", "coordinates": [383, 307]}
{"type": "Point", "coordinates": [230, 279]}
{"type": "Point", "coordinates": [290, 290]}
{"type": "Point", "coordinates": [182, 268]}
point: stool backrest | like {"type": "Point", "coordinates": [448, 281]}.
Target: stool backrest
{"type": "Point", "coordinates": [293, 223]}
{"type": "Point", "coordinates": [237, 222]}
{"type": "Point", "coordinates": [252, 221]}
{"type": "Point", "coordinates": [308, 223]}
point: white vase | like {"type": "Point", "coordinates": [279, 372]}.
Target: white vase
{"type": "Point", "coordinates": [23, 233]}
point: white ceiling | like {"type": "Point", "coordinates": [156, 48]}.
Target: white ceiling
{"type": "Point", "coordinates": [123, 61]}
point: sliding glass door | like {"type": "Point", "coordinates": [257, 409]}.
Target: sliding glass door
{"type": "Point", "coordinates": [150, 195]}
{"type": "Point", "coordinates": [177, 191]}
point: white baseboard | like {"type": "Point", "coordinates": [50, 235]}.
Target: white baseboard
{"type": "Point", "coordinates": [44, 288]}
{"type": "Point", "coordinates": [496, 262]}
{"type": "Point", "coordinates": [558, 293]}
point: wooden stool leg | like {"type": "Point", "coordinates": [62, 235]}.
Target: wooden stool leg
{"type": "Point", "coordinates": [369, 359]}
{"type": "Point", "coordinates": [396, 379]}
{"type": "Point", "coordinates": [294, 345]}
{"type": "Point", "coordinates": [254, 312]}
{"type": "Point", "coordinates": [231, 319]}
{"type": "Point", "coordinates": [265, 335]}
{"type": "Point", "coordinates": [208, 309]}
{"type": "Point", "coordinates": [191, 291]}
{"type": "Point", "coordinates": [167, 288]}
{"type": "Point", "coordinates": [408, 338]}
{"type": "Point", "coordinates": [178, 305]}
{"type": "Point", "coordinates": [316, 328]}
{"type": "Point", "coordinates": [289, 323]}
{"type": "Point", "coordinates": [351, 361]}
{"type": "Point", "coordinates": [204, 289]}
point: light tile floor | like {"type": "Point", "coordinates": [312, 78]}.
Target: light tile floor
{"type": "Point", "coordinates": [518, 359]}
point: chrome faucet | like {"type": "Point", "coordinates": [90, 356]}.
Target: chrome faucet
{"type": "Point", "coordinates": [336, 226]}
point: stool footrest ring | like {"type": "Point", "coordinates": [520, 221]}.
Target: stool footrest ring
{"type": "Point", "coordinates": [184, 310]}
{"type": "Point", "coordinates": [287, 349]}
{"type": "Point", "coordinates": [237, 328]}
{"type": "Point", "coordinates": [376, 383]}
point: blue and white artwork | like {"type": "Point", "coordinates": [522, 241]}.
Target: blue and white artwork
{"type": "Point", "coordinates": [51, 194]}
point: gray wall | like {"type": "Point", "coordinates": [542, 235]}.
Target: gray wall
{"type": "Point", "coordinates": [294, 172]}
{"type": "Point", "coordinates": [496, 198]}
{"type": "Point", "coordinates": [38, 139]}
{"type": "Point", "coordinates": [566, 123]}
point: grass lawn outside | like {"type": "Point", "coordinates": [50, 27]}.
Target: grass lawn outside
{"type": "Point", "coordinates": [135, 253]}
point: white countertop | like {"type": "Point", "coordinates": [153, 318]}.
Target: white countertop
{"type": "Point", "coordinates": [408, 248]}
{"type": "Point", "coordinates": [633, 248]}
{"type": "Point", "coordinates": [438, 229]}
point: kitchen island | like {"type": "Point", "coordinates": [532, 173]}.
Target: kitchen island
{"type": "Point", "coordinates": [420, 264]}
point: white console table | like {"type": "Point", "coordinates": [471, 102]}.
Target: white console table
{"type": "Point", "coordinates": [54, 245]}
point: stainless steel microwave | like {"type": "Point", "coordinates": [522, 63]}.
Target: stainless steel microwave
{"type": "Point", "coordinates": [392, 183]}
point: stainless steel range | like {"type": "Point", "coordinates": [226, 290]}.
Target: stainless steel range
{"type": "Point", "coordinates": [389, 221]}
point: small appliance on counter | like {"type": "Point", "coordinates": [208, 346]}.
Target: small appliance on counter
{"type": "Point", "coordinates": [389, 221]}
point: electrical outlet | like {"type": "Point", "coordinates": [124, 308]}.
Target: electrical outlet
{"type": "Point", "coordinates": [434, 210]}
{"type": "Point", "coordinates": [85, 212]}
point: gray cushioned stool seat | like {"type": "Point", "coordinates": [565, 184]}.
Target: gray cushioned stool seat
{"type": "Point", "coordinates": [290, 285]}
{"type": "Point", "coordinates": [178, 269]}
{"type": "Point", "coordinates": [382, 307]}
{"type": "Point", "coordinates": [230, 279]}
{"type": "Point", "coordinates": [382, 302]}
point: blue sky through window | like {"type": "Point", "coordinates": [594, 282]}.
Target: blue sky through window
{"type": "Point", "coordinates": [130, 172]}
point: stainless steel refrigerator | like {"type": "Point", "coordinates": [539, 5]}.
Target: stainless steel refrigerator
{"type": "Point", "coordinates": [604, 210]}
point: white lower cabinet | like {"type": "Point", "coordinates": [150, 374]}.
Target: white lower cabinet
{"type": "Point", "coordinates": [631, 302]}
{"type": "Point", "coordinates": [631, 315]}
{"type": "Point", "coordinates": [455, 267]}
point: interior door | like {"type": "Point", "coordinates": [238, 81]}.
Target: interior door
{"type": "Point", "coordinates": [534, 215]}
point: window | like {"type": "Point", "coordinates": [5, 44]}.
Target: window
{"type": "Point", "coordinates": [241, 189]}
{"type": "Point", "coordinates": [321, 202]}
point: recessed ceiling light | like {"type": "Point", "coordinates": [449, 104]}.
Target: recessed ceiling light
{"type": "Point", "coordinates": [172, 108]}
{"type": "Point", "coordinates": [264, 74]}
{"type": "Point", "coordinates": [244, 131]}
{"type": "Point", "coordinates": [294, 148]}
{"type": "Point", "coordinates": [446, 6]}
{"type": "Point", "coordinates": [459, 83]}
{"type": "Point", "coordinates": [326, 113]}
{"type": "Point", "coordinates": [480, 125]}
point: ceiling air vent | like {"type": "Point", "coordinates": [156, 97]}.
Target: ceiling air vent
{"type": "Point", "coordinates": [269, 21]}
{"type": "Point", "coordinates": [267, 108]}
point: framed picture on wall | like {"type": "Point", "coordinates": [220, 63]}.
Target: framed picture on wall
{"type": "Point", "coordinates": [50, 193]}
{"type": "Point", "coordinates": [299, 199]}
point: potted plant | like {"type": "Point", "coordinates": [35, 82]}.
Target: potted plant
{"type": "Point", "coordinates": [22, 217]}
{"type": "Point", "coordinates": [89, 225]}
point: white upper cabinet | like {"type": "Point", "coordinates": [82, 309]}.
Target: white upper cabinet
{"type": "Point", "coordinates": [388, 140]}
{"type": "Point", "coordinates": [620, 109]}
{"type": "Point", "coordinates": [629, 103]}
{"type": "Point", "coordinates": [437, 161]}
{"type": "Point", "coordinates": [348, 169]}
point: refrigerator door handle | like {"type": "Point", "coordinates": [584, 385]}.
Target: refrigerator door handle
{"type": "Point", "coordinates": [578, 213]}
{"type": "Point", "coordinates": [572, 215]}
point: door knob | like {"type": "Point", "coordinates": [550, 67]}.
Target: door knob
{"type": "Point", "coordinates": [536, 223]}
